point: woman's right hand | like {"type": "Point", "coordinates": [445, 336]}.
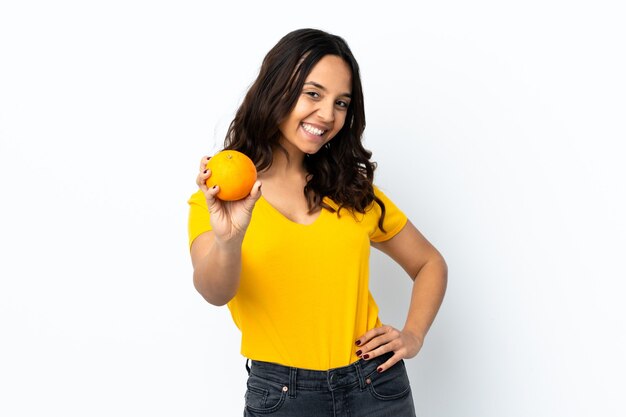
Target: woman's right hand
{"type": "Point", "coordinates": [229, 219]}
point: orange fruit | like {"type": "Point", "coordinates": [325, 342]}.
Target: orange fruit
{"type": "Point", "coordinates": [233, 172]}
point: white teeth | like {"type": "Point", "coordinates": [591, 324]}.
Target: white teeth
{"type": "Point", "coordinates": [312, 129]}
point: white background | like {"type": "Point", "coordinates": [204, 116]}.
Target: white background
{"type": "Point", "coordinates": [498, 128]}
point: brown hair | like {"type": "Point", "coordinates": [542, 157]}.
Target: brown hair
{"type": "Point", "coordinates": [341, 170]}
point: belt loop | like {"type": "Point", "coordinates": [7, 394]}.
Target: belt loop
{"type": "Point", "coordinates": [248, 366]}
{"type": "Point", "coordinates": [357, 366]}
{"type": "Point", "coordinates": [292, 382]}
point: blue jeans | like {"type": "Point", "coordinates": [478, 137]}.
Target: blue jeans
{"type": "Point", "coordinates": [356, 390]}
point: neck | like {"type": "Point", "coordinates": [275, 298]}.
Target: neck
{"type": "Point", "coordinates": [289, 163]}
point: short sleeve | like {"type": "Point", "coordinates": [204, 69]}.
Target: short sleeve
{"type": "Point", "coordinates": [199, 219]}
{"type": "Point", "coordinates": [394, 219]}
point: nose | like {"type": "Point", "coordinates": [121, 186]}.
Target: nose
{"type": "Point", "coordinates": [326, 111]}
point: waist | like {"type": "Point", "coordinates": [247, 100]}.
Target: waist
{"type": "Point", "coordinates": [330, 343]}
{"type": "Point", "coordinates": [357, 373]}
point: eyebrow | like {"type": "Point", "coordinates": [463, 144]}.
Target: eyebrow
{"type": "Point", "coordinates": [321, 87]}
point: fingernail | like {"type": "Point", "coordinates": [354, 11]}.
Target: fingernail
{"type": "Point", "coordinates": [358, 353]}
{"type": "Point", "coordinates": [213, 188]}
{"type": "Point", "coordinates": [205, 171]}
{"type": "Point", "coordinates": [379, 370]}
{"type": "Point", "coordinates": [208, 157]}
{"type": "Point", "coordinates": [358, 343]}
{"type": "Point", "coordinates": [366, 356]}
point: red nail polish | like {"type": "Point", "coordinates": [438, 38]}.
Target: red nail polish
{"type": "Point", "coordinates": [366, 356]}
{"type": "Point", "coordinates": [358, 353]}
{"type": "Point", "coordinates": [208, 157]}
{"type": "Point", "coordinates": [379, 370]}
{"type": "Point", "coordinates": [358, 343]}
{"type": "Point", "coordinates": [205, 171]}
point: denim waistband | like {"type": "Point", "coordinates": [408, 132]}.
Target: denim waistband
{"type": "Point", "coordinates": [307, 379]}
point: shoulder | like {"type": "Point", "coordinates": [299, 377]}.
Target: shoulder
{"type": "Point", "coordinates": [383, 198]}
{"type": "Point", "coordinates": [197, 199]}
{"type": "Point", "coordinates": [393, 218]}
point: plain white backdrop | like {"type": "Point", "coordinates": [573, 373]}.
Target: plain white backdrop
{"type": "Point", "coordinates": [498, 128]}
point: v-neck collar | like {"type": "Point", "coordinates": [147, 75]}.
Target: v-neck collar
{"type": "Point", "coordinates": [287, 219]}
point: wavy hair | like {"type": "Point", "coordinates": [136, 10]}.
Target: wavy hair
{"type": "Point", "coordinates": [341, 169]}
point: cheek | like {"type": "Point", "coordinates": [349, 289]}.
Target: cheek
{"type": "Point", "coordinates": [301, 109]}
{"type": "Point", "coordinates": [291, 122]}
{"type": "Point", "coordinates": [340, 120]}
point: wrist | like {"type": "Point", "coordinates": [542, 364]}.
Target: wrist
{"type": "Point", "coordinates": [414, 333]}
{"type": "Point", "coordinates": [228, 246]}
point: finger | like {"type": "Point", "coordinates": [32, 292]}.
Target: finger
{"type": "Point", "coordinates": [377, 331]}
{"type": "Point", "coordinates": [367, 336]}
{"type": "Point", "coordinates": [203, 162]}
{"type": "Point", "coordinates": [202, 178]}
{"type": "Point", "coordinates": [213, 202]}
{"type": "Point", "coordinates": [211, 198]}
{"type": "Point", "coordinates": [393, 345]}
{"type": "Point", "coordinates": [376, 343]}
{"type": "Point", "coordinates": [389, 363]}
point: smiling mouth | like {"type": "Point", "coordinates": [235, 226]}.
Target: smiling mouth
{"type": "Point", "coordinates": [312, 129]}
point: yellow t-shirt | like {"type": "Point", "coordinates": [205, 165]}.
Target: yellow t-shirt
{"type": "Point", "coordinates": [303, 297]}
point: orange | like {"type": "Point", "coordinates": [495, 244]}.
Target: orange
{"type": "Point", "coordinates": [233, 172]}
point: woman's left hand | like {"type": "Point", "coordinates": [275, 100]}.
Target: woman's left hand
{"type": "Point", "coordinates": [381, 340]}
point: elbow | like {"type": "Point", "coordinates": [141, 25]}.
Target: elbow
{"type": "Point", "coordinates": [211, 295]}
{"type": "Point", "coordinates": [436, 267]}
{"type": "Point", "coordinates": [442, 266]}
{"type": "Point", "coordinates": [218, 302]}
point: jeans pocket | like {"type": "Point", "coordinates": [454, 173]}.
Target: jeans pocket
{"type": "Point", "coordinates": [391, 384]}
{"type": "Point", "coordinates": [264, 396]}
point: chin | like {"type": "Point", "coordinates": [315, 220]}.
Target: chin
{"type": "Point", "coordinates": [313, 148]}
{"type": "Point", "coordinates": [311, 151]}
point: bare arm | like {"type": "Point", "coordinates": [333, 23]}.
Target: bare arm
{"type": "Point", "coordinates": [425, 265]}
{"type": "Point", "coordinates": [216, 254]}
{"type": "Point", "coordinates": [428, 270]}
{"type": "Point", "coordinates": [216, 269]}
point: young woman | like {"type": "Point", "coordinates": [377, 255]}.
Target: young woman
{"type": "Point", "coordinates": [291, 261]}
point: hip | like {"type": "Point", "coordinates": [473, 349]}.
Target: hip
{"type": "Point", "coordinates": [356, 389]}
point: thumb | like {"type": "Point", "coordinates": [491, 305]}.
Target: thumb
{"type": "Point", "coordinates": [255, 194]}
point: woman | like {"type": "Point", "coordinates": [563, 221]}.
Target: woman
{"type": "Point", "coordinates": [291, 261]}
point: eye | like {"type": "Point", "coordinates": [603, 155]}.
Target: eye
{"type": "Point", "coordinates": [343, 104]}
{"type": "Point", "coordinates": [312, 94]}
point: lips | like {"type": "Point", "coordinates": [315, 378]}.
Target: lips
{"type": "Point", "coordinates": [312, 129]}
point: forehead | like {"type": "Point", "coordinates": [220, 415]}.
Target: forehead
{"type": "Point", "coordinates": [333, 73]}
